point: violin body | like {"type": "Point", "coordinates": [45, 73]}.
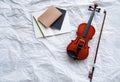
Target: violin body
{"type": "Point", "coordinates": [72, 47]}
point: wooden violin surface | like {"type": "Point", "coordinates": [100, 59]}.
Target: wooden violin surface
{"type": "Point", "coordinates": [72, 47]}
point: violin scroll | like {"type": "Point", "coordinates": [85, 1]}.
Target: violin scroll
{"type": "Point", "coordinates": [94, 8]}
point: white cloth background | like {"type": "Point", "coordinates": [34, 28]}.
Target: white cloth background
{"type": "Point", "coordinates": [23, 58]}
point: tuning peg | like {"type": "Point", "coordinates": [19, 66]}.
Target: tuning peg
{"type": "Point", "coordinates": [98, 10]}
{"type": "Point", "coordinates": [90, 8]}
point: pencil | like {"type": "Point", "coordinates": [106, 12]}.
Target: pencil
{"type": "Point", "coordinates": [39, 27]}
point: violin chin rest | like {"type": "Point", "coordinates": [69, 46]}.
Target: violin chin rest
{"type": "Point", "coordinates": [72, 54]}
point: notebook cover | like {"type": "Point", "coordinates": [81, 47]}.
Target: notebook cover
{"type": "Point", "coordinates": [49, 16]}
{"type": "Point", "coordinates": [58, 23]}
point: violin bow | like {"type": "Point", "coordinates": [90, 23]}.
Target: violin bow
{"type": "Point", "coordinates": [93, 68]}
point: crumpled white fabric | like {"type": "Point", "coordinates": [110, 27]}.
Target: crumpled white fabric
{"type": "Point", "coordinates": [23, 58]}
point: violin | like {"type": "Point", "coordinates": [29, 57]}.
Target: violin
{"type": "Point", "coordinates": [78, 48]}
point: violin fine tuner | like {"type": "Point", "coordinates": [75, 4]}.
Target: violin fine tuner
{"type": "Point", "coordinates": [78, 48]}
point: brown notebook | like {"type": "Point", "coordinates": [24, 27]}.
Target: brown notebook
{"type": "Point", "coordinates": [49, 16]}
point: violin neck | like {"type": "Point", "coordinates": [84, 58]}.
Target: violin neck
{"type": "Point", "coordinates": [88, 25]}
